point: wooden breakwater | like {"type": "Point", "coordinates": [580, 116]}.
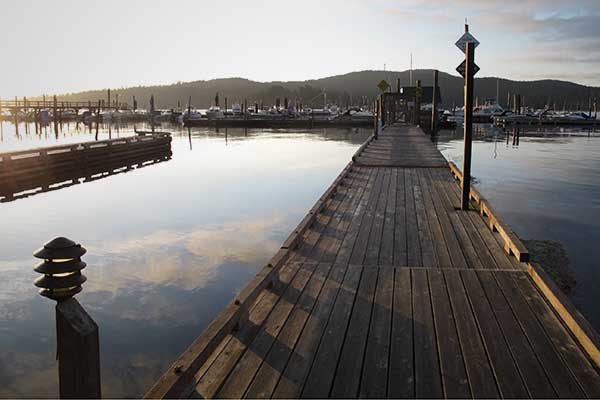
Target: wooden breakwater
{"type": "Point", "coordinates": [387, 288]}
{"type": "Point", "coordinates": [27, 172]}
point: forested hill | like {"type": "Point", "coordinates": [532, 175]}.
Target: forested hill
{"type": "Point", "coordinates": [341, 88]}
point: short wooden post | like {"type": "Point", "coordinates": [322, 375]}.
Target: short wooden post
{"type": "Point", "coordinates": [376, 119]}
{"type": "Point", "coordinates": [78, 351]}
{"type": "Point", "coordinates": [434, 103]}
{"type": "Point", "coordinates": [468, 126]}
{"type": "Point", "coordinates": [16, 116]}
{"type": "Point", "coordinates": [78, 348]}
{"type": "Point", "coordinates": [189, 107]}
{"type": "Point", "coordinates": [382, 109]}
{"type": "Point", "coordinates": [55, 113]}
{"type": "Point", "coordinates": [418, 103]}
{"type": "Point", "coordinates": [98, 118]}
{"type": "Point", "coordinates": [398, 85]}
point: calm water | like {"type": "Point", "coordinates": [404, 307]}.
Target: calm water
{"type": "Point", "coordinates": [545, 184]}
{"type": "Point", "coordinates": [168, 245]}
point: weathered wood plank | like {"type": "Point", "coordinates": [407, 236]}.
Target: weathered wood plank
{"type": "Point", "coordinates": [412, 225]}
{"type": "Point", "coordinates": [347, 246]}
{"type": "Point", "coordinates": [572, 355]}
{"type": "Point", "coordinates": [294, 375]}
{"type": "Point", "coordinates": [400, 229]}
{"type": "Point", "coordinates": [428, 379]}
{"type": "Point", "coordinates": [428, 253]}
{"type": "Point", "coordinates": [435, 228]}
{"type": "Point", "coordinates": [506, 372]}
{"type": "Point", "coordinates": [320, 378]}
{"type": "Point", "coordinates": [386, 253]}
{"type": "Point", "coordinates": [360, 246]}
{"type": "Point", "coordinates": [374, 379]}
{"type": "Point", "coordinates": [563, 382]}
{"type": "Point", "coordinates": [269, 373]}
{"type": "Point", "coordinates": [240, 377]}
{"type": "Point", "coordinates": [376, 235]}
{"type": "Point", "coordinates": [401, 379]}
{"type": "Point", "coordinates": [531, 370]}
{"type": "Point", "coordinates": [347, 378]}
{"type": "Point", "coordinates": [481, 376]}
{"type": "Point", "coordinates": [211, 381]}
{"type": "Point", "coordinates": [456, 256]}
{"type": "Point", "coordinates": [454, 374]}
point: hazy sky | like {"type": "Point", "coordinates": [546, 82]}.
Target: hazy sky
{"type": "Point", "coordinates": [63, 46]}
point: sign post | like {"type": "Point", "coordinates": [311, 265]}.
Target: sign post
{"type": "Point", "coordinates": [467, 44]}
{"type": "Point", "coordinates": [468, 126]}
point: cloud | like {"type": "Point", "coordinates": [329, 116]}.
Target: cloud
{"type": "Point", "coordinates": [187, 260]}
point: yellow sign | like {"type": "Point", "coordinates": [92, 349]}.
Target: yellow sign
{"type": "Point", "coordinates": [419, 91]}
{"type": "Point", "coordinates": [383, 86]}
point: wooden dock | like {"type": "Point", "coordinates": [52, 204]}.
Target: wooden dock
{"type": "Point", "coordinates": [28, 172]}
{"type": "Point", "coordinates": [388, 289]}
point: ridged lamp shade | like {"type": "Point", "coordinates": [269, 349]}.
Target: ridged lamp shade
{"type": "Point", "coordinates": [61, 267]}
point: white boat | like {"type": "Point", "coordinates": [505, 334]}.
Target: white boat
{"type": "Point", "coordinates": [577, 116]}
{"type": "Point", "coordinates": [193, 115]}
{"type": "Point", "coordinates": [236, 109]}
{"type": "Point", "coordinates": [214, 112]}
{"type": "Point", "coordinates": [361, 114]}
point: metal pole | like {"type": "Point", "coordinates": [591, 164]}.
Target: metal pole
{"type": "Point", "coordinates": [468, 125]}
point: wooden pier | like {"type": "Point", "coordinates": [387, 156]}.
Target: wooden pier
{"type": "Point", "coordinates": [388, 289]}
{"type": "Point", "coordinates": [27, 172]}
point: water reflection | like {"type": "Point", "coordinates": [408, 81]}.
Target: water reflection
{"type": "Point", "coordinates": [167, 246]}
{"type": "Point", "coordinates": [544, 182]}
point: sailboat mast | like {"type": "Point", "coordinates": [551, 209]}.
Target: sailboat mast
{"type": "Point", "coordinates": [498, 91]}
{"type": "Point", "coordinates": [411, 70]}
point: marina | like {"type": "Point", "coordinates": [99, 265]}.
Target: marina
{"type": "Point", "coordinates": [343, 210]}
{"type": "Point", "coordinates": [235, 135]}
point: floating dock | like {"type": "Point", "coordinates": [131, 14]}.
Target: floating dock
{"type": "Point", "coordinates": [28, 172]}
{"type": "Point", "coordinates": [280, 123]}
{"type": "Point", "coordinates": [387, 289]}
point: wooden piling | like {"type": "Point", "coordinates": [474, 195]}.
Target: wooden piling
{"type": "Point", "coordinates": [418, 103]}
{"type": "Point", "coordinates": [78, 352]}
{"type": "Point", "coordinates": [98, 118]}
{"type": "Point", "coordinates": [434, 103]}
{"type": "Point", "coordinates": [376, 118]}
{"type": "Point", "coordinates": [16, 115]}
{"type": "Point", "coordinates": [468, 125]}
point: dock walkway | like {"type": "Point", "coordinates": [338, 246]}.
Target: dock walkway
{"type": "Point", "coordinates": [387, 289]}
